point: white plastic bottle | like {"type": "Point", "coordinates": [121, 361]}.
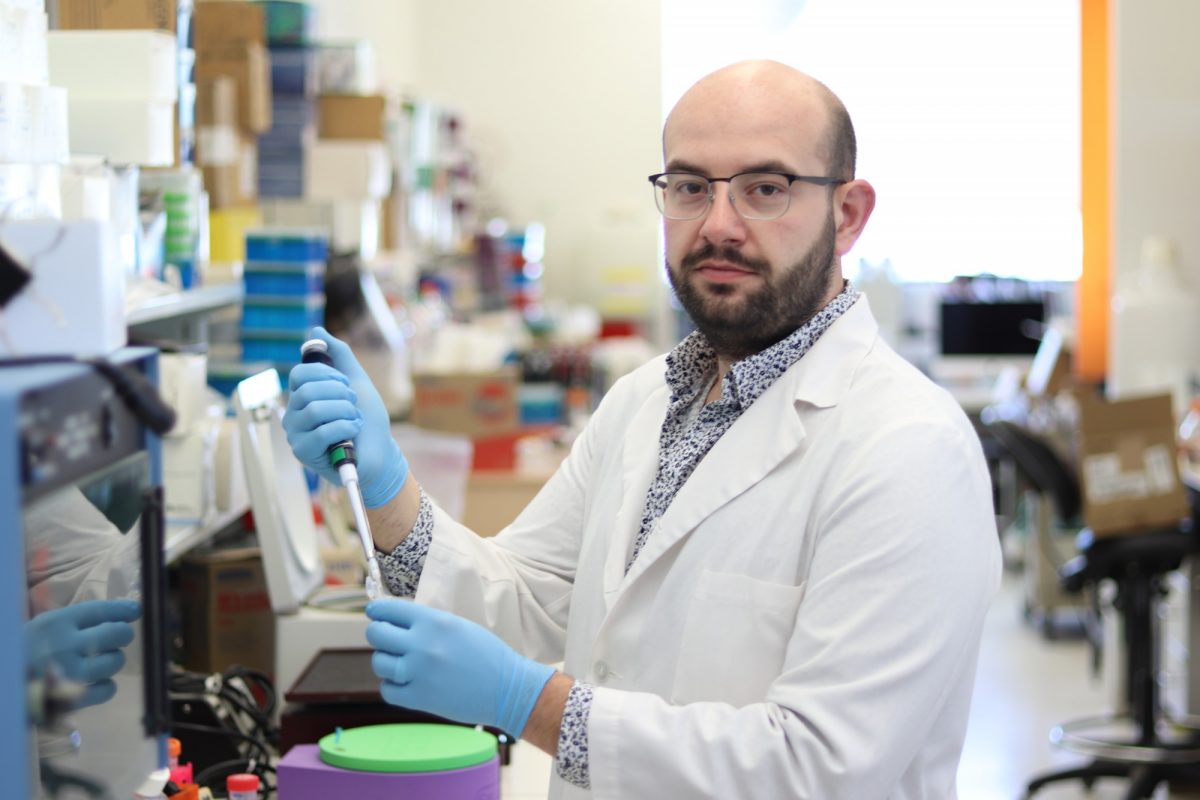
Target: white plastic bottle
{"type": "Point", "coordinates": [1155, 332]}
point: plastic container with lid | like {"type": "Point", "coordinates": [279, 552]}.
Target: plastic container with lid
{"type": "Point", "coordinates": [242, 787]}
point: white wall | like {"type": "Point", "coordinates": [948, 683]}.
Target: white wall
{"type": "Point", "coordinates": [560, 99]}
{"type": "Point", "coordinates": [1157, 130]}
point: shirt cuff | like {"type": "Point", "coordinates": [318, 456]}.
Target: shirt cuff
{"type": "Point", "coordinates": [572, 759]}
{"type": "Point", "coordinates": [402, 567]}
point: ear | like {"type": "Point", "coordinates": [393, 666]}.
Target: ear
{"type": "Point", "coordinates": [853, 203]}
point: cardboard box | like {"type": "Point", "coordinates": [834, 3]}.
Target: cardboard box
{"type": "Point", "coordinates": [494, 499]}
{"type": "Point", "coordinates": [161, 15]}
{"type": "Point", "coordinates": [216, 102]}
{"type": "Point", "coordinates": [217, 24]}
{"type": "Point", "coordinates": [348, 116]}
{"type": "Point", "coordinates": [346, 170]}
{"type": "Point", "coordinates": [227, 616]}
{"type": "Point", "coordinates": [234, 185]}
{"type": "Point", "coordinates": [248, 64]}
{"type": "Point", "coordinates": [475, 404]}
{"type": "Point", "coordinates": [1127, 462]}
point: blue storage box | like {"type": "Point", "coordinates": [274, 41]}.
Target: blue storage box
{"type": "Point", "coordinates": [292, 111]}
{"type": "Point", "coordinates": [287, 245]}
{"type": "Point", "coordinates": [282, 349]}
{"type": "Point", "coordinates": [293, 72]}
{"type": "Point", "coordinates": [282, 312]}
{"type": "Point", "coordinates": [294, 279]}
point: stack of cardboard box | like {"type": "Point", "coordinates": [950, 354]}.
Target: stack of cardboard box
{"type": "Point", "coordinates": [233, 99]}
{"type": "Point", "coordinates": [170, 17]}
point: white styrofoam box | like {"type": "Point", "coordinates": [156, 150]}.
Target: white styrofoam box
{"type": "Point", "coordinates": [217, 145]}
{"type": "Point", "coordinates": [125, 214]}
{"type": "Point", "coordinates": [16, 125]}
{"type": "Point", "coordinates": [77, 302]}
{"type": "Point", "coordinates": [123, 131]}
{"type": "Point", "coordinates": [48, 116]}
{"type": "Point", "coordinates": [189, 488]}
{"type": "Point", "coordinates": [182, 380]}
{"type": "Point", "coordinates": [346, 68]}
{"type": "Point", "coordinates": [22, 45]}
{"type": "Point", "coordinates": [352, 225]}
{"type": "Point", "coordinates": [87, 192]}
{"type": "Point", "coordinates": [230, 473]}
{"type": "Point", "coordinates": [28, 5]}
{"type": "Point", "coordinates": [114, 64]}
{"type": "Point", "coordinates": [30, 191]}
{"type": "Point", "coordinates": [346, 169]}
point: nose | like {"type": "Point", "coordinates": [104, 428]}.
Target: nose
{"type": "Point", "coordinates": [723, 224]}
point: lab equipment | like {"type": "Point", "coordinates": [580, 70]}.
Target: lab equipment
{"type": "Point", "coordinates": [82, 509]}
{"type": "Point", "coordinates": [403, 760]}
{"type": "Point", "coordinates": [309, 615]}
{"type": "Point", "coordinates": [342, 458]}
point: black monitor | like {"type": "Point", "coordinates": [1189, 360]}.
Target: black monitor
{"type": "Point", "coordinates": [991, 329]}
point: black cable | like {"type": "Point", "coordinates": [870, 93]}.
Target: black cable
{"type": "Point", "coordinates": [261, 747]}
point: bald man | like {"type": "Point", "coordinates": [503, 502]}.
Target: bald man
{"type": "Point", "coordinates": [765, 562]}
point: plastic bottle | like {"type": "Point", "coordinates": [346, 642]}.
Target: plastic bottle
{"type": "Point", "coordinates": [242, 787]}
{"type": "Point", "coordinates": [1189, 444]}
{"type": "Point", "coordinates": [1155, 332]}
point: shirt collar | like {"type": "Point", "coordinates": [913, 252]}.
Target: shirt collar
{"type": "Point", "coordinates": [691, 364]}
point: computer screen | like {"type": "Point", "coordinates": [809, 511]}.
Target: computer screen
{"type": "Point", "coordinates": [1003, 328]}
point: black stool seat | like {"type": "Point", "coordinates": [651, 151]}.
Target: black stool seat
{"type": "Point", "coordinates": [1151, 553]}
{"type": "Point", "coordinates": [1152, 752]}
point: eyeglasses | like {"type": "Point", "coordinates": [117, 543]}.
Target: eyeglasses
{"type": "Point", "coordinates": [755, 195]}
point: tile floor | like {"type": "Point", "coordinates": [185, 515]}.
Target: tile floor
{"type": "Point", "coordinates": [1024, 687]}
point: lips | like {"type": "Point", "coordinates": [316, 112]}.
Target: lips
{"type": "Point", "coordinates": [723, 271]}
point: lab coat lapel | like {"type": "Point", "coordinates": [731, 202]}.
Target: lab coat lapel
{"type": "Point", "coordinates": [639, 461]}
{"type": "Point", "coordinates": [762, 436]}
{"type": "Point", "coordinates": [765, 434]}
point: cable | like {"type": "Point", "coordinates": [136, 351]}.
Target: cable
{"type": "Point", "coordinates": [138, 394]}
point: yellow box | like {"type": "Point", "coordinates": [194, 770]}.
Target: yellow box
{"type": "Point", "coordinates": [227, 232]}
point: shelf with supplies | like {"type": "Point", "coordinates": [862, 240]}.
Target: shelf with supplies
{"type": "Point", "coordinates": [182, 316]}
{"type": "Point", "coordinates": [183, 537]}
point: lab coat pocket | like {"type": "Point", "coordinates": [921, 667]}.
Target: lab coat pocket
{"type": "Point", "coordinates": [734, 639]}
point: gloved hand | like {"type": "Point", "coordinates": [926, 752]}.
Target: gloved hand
{"type": "Point", "coordinates": [434, 661]}
{"type": "Point", "coordinates": [84, 641]}
{"type": "Point", "coordinates": [331, 404]}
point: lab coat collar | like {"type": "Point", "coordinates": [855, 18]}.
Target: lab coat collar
{"type": "Point", "coordinates": [766, 433]}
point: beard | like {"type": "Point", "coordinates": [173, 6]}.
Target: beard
{"type": "Point", "coordinates": [738, 327]}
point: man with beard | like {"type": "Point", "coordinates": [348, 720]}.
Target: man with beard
{"type": "Point", "coordinates": [767, 558]}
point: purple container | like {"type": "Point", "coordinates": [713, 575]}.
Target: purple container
{"type": "Point", "coordinates": [302, 775]}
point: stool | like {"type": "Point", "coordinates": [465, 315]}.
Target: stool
{"type": "Point", "coordinates": [1149, 756]}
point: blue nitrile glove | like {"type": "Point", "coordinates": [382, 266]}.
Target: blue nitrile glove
{"type": "Point", "coordinates": [434, 661]}
{"type": "Point", "coordinates": [331, 404]}
{"type": "Point", "coordinates": [84, 641]}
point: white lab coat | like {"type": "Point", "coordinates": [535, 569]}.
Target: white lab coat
{"type": "Point", "coordinates": [803, 621]}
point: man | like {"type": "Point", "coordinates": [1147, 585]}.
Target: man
{"type": "Point", "coordinates": [766, 560]}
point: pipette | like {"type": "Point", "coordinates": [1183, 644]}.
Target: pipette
{"type": "Point", "coordinates": [342, 458]}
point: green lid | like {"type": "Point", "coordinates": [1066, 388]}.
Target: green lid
{"type": "Point", "coordinates": [409, 747]}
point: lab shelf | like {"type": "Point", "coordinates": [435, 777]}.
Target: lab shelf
{"type": "Point", "coordinates": [184, 304]}
{"type": "Point", "coordinates": [182, 538]}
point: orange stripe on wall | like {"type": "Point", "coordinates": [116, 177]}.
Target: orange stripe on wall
{"type": "Point", "coordinates": [1092, 301]}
